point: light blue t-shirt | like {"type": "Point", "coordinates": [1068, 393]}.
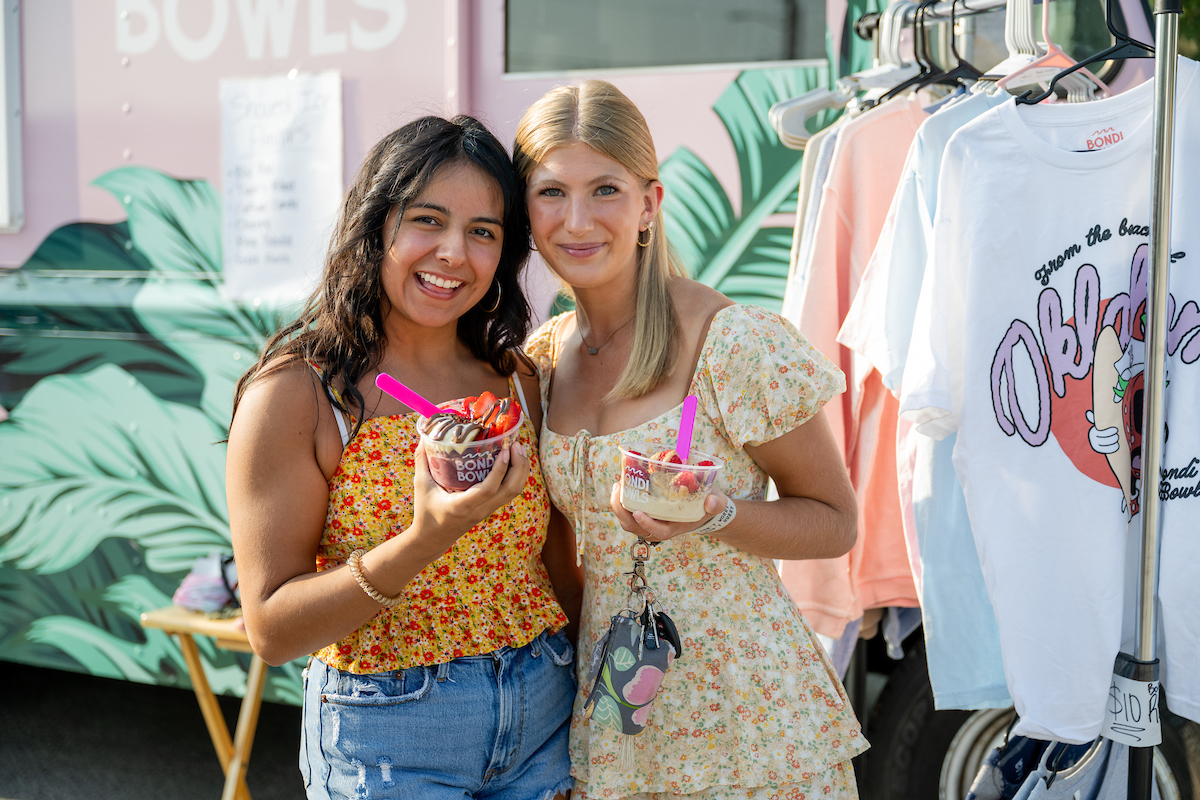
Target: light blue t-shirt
{"type": "Point", "coordinates": [962, 642]}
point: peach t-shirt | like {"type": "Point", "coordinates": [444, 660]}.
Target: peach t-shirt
{"type": "Point", "coordinates": [868, 158]}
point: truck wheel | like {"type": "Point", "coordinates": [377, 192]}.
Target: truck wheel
{"type": "Point", "coordinates": [909, 739]}
{"type": "Point", "coordinates": [918, 753]}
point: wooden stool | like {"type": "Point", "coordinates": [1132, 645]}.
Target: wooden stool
{"type": "Point", "coordinates": [234, 755]}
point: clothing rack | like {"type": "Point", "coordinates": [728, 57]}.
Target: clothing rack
{"type": "Point", "coordinates": [1166, 16]}
{"type": "Point", "coordinates": [1166, 13]}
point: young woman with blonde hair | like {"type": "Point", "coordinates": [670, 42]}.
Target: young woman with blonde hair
{"type": "Point", "coordinates": [751, 707]}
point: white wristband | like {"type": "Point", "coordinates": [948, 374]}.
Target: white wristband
{"type": "Point", "coordinates": [720, 520]}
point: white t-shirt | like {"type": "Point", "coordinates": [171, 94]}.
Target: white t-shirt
{"type": "Point", "coordinates": [1023, 339]}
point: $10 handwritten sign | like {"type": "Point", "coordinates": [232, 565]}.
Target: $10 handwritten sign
{"type": "Point", "coordinates": [1131, 716]}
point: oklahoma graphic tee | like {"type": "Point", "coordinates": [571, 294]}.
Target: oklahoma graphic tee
{"type": "Point", "coordinates": [1028, 344]}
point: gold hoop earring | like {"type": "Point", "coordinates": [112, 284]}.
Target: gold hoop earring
{"type": "Point", "coordinates": [499, 294]}
{"type": "Point", "coordinates": [649, 237]}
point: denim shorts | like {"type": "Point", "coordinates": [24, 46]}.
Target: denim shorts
{"type": "Point", "coordinates": [490, 726]}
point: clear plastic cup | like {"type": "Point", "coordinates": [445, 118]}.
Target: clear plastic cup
{"type": "Point", "coordinates": [456, 467]}
{"type": "Point", "coordinates": [664, 490]}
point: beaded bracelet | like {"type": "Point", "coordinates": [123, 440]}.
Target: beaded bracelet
{"type": "Point", "coordinates": [372, 592]}
{"type": "Point", "coordinates": [720, 520]}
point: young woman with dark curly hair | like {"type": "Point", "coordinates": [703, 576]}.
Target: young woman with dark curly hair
{"type": "Point", "coordinates": [440, 667]}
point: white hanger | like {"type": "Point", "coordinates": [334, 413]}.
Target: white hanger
{"type": "Point", "coordinates": [890, 69]}
{"type": "Point", "coordinates": [1042, 69]}
{"type": "Point", "coordinates": [789, 117]}
{"type": "Point", "coordinates": [1019, 39]}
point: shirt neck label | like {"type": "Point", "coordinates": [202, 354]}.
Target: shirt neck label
{"type": "Point", "coordinates": [1105, 137]}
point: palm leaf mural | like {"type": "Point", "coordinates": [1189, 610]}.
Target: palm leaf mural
{"type": "Point", "coordinates": [727, 248]}
{"type": "Point", "coordinates": [176, 225]}
{"type": "Point", "coordinates": [27, 596]}
{"type": "Point", "coordinates": [68, 309]}
{"type": "Point", "coordinates": [112, 480]}
{"type": "Point", "coordinates": [100, 522]}
{"type": "Point", "coordinates": [157, 659]}
{"type": "Point", "coordinates": [120, 463]}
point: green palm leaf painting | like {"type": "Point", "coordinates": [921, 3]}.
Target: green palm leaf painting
{"type": "Point", "coordinates": [27, 596]}
{"type": "Point", "coordinates": [734, 250]}
{"type": "Point", "coordinates": [177, 226]}
{"type": "Point", "coordinates": [69, 310]}
{"type": "Point", "coordinates": [118, 357]}
{"type": "Point", "coordinates": [120, 463]}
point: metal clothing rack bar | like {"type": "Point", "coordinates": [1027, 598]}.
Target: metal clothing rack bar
{"type": "Point", "coordinates": [866, 25]}
{"type": "Point", "coordinates": [1166, 16]}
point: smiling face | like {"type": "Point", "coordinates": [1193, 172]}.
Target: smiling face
{"type": "Point", "coordinates": [586, 211]}
{"type": "Point", "coordinates": [444, 255]}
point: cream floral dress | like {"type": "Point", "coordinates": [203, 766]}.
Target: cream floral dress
{"type": "Point", "coordinates": [751, 704]}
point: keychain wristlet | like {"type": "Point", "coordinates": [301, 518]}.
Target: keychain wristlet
{"type": "Point", "coordinates": [631, 659]}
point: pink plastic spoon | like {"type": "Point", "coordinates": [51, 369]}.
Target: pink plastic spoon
{"type": "Point", "coordinates": [406, 395]}
{"type": "Point", "coordinates": [683, 445]}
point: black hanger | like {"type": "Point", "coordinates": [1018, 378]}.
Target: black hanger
{"type": "Point", "coordinates": [964, 69]}
{"type": "Point", "coordinates": [1065, 757]}
{"type": "Point", "coordinates": [955, 75]}
{"type": "Point", "coordinates": [930, 74]}
{"type": "Point", "coordinates": [919, 53]}
{"type": "Point", "coordinates": [1124, 47]}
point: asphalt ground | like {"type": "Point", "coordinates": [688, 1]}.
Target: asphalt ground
{"type": "Point", "coordinates": [65, 736]}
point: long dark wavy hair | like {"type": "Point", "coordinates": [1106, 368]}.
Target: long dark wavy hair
{"type": "Point", "coordinates": [341, 326]}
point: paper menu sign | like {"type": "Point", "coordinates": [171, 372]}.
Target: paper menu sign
{"type": "Point", "coordinates": [281, 164]}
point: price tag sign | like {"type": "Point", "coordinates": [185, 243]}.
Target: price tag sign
{"type": "Point", "coordinates": [1132, 714]}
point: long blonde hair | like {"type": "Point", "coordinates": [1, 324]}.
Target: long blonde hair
{"type": "Point", "coordinates": [597, 114]}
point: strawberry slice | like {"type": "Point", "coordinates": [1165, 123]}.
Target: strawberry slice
{"type": "Point", "coordinates": [686, 480]}
{"type": "Point", "coordinates": [481, 405]}
{"type": "Point", "coordinates": [706, 463]}
{"type": "Point", "coordinates": [503, 423]}
{"type": "Point", "coordinates": [669, 456]}
{"type": "Point", "coordinates": [514, 415]}
{"type": "Point", "coordinates": [464, 407]}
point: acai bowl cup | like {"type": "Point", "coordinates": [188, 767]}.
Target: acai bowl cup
{"type": "Point", "coordinates": [663, 489]}
{"type": "Point", "coordinates": [457, 466]}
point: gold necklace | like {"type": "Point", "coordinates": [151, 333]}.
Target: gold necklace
{"type": "Point", "coordinates": [594, 350]}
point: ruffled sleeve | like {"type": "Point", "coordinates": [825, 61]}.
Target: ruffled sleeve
{"type": "Point", "coordinates": [759, 378]}
{"type": "Point", "coordinates": [540, 349]}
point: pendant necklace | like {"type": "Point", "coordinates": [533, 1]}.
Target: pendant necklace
{"type": "Point", "coordinates": [594, 350]}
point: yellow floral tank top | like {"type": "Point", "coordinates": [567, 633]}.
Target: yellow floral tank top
{"type": "Point", "coordinates": [489, 590]}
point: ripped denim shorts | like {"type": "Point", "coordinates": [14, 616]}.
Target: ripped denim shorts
{"type": "Point", "coordinates": [490, 726]}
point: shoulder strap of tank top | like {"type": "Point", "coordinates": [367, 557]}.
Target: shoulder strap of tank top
{"type": "Point", "coordinates": [337, 414]}
{"type": "Point", "coordinates": [516, 379]}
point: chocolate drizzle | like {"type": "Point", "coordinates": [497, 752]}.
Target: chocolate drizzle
{"type": "Point", "coordinates": [453, 428]}
{"type": "Point", "coordinates": [450, 427]}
